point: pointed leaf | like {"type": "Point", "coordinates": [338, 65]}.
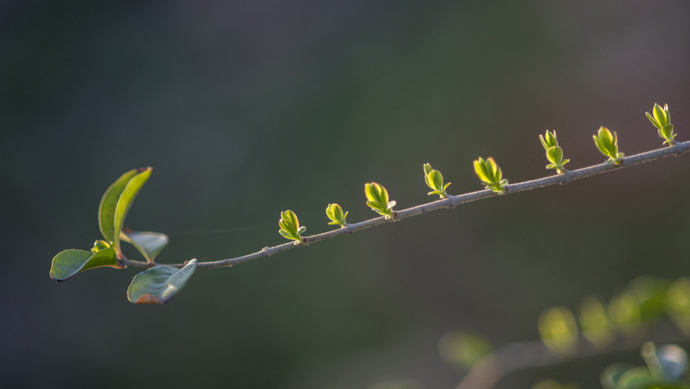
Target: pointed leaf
{"type": "Point", "coordinates": [285, 234]}
{"type": "Point", "coordinates": [125, 202]}
{"type": "Point", "coordinates": [480, 170]}
{"type": "Point", "coordinates": [149, 244]}
{"type": "Point", "coordinates": [70, 262]}
{"type": "Point", "coordinates": [437, 179]}
{"type": "Point", "coordinates": [555, 155]}
{"type": "Point", "coordinates": [106, 210]}
{"type": "Point", "coordinates": [659, 115]}
{"type": "Point", "coordinates": [159, 284]}
{"type": "Point", "coordinates": [384, 194]}
{"type": "Point", "coordinates": [292, 218]}
{"type": "Point", "coordinates": [654, 122]}
{"type": "Point", "coordinates": [543, 142]}
{"type": "Point", "coordinates": [368, 193]}
{"type": "Point", "coordinates": [492, 169]}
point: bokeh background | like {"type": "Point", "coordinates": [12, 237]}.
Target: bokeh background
{"type": "Point", "coordinates": [247, 108]}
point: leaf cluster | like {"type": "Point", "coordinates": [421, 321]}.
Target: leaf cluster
{"type": "Point", "coordinates": [607, 143]}
{"type": "Point", "coordinates": [335, 213]}
{"type": "Point", "coordinates": [665, 368]}
{"type": "Point", "coordinates": [661, 119]}
{"type": "Point", "coordinates": [434, 180]}
{"type": "Point", "coordinates": [153, 286]}
{"type": "Point", "coordinates": [378, 200]}
{"type": "Point", "coordinates": [289, 226]}
{"type": "Point", "coordinates": [490, 174]}
{"type": "Point", "coordinates": [554, 153]}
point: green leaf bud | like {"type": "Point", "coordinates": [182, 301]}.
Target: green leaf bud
{"type": "Point", "coordinates": [661, 119]}
{"type": "Point", "coordinates": [289, 226]}
{"type": "Point", "coordinates": [378, 200]}
{"type": "Point", "coordinates": [434, 180]}
{"type": "Point", "coordinates": [607, 144]}
{"type": "Point", "coordinates": [99, 245]}
{"type": "Point", "coordinates": [549, 140]}
{"type": "Point", "coordinates": [490, 174]}
{"type": "Point", "coordinates": [335, 213]}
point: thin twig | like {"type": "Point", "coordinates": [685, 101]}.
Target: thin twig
{"type": "Point", "coordinates": [449, 202]}
{"type": "Point", "coordinates": [532, 354]}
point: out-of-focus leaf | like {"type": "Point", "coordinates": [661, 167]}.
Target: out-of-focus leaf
{"type": "Point", "coordinates": [624, 312]}
{"type": "Point", "coordinates": [635, 378]}
{"type": "Point", "coordinates": [650, 293]}
{"type": "Point", "coordinates": [677, 304]}
{"type": "Point", "coordinates": [106, 210]}
{"type": "Point", "coordinates": [463, 349]}
{"type": "Point", "coordinates": [611, 375]}
{"type": "Point", "coordinates": [673, 360]}
{"type": "Point", "coordinates": [149, 244]}
{"type": "Point", "coordinates": [159, 284]}
{"type": "Point", "coordinates": [594, 322]}
{"type": "Point", "coordinates": [125, 202]}
{"type": "Point", "coordinates": [558, 329]}
{"type": "Point", "coordinates": [70, 262]}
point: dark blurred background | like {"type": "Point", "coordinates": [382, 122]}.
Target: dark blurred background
{"type": "Point", "coordinates": [247, 108]}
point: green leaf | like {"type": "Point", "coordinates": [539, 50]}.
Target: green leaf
{"type": "Point", "coordinates": [70, 262]}
{"type": "Point", "coordinates": [654, 122]}
{"type": "Point", "coordinates": [106, 210]}
{"type": "Point", "coordinates": [382, 193]}
{"type": "Point", "coordinates": [159, 284]}
{"type": "Point", "coordinates": [480, 170]}
{"type": "Point", "coordinates": [660, 115]}
{"type": "Point", "coordinates": [286, 234]}
{"type": "Point", "coordinates": [149, 244]}
{"type": "Point", "coordinates": [125, 202]}
{"type": "Point", "coordinates": [292, 218]}
{"type": "Point", "coordinates": [611, 375]}
{"type": "Point", "coordinates": [543, 142]}
{"type": "Point", "coordinates": [635, 378]}
{"type": "Point", "coordinates": [555, 155]}
{"type": "Point", "coordinates": [436, 179]}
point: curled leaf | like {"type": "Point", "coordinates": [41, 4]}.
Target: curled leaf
{"type": "Point", "coordinates": [106, 210]}
{"type": "Point", "coordinates": [159, 284]}
{"type": "Point", "coordinates": [149, 244]}
{"type": "Point", "coordinates": [125, 202]}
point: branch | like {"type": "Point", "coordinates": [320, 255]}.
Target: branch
{"type": "Point", "coordinates": [524, 355]}
{"type": "Point", "coordinates": [449, 202]}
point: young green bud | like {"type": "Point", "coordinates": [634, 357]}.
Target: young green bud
{"type": "Point", "coordinates": [289, 227]}
{"type": "Point", "coordinates": [335, 213]}
{"type": "Point", "coordinates": [549, 140]}
{"type": "Point", "coordinates": [607, 143]}
{"type": "Point", "coordinates": [490, 174]}
{"type": "Point", "coordinates": [378, 200]}
{"type": "Point", "coordinates": [553, 152]}
{"type": "Point", "coordinates": [661, 119]}
{"type": "Point", "coordinates": [434, 180]}
{"type": "Point", "coordinates": [99, 245]}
